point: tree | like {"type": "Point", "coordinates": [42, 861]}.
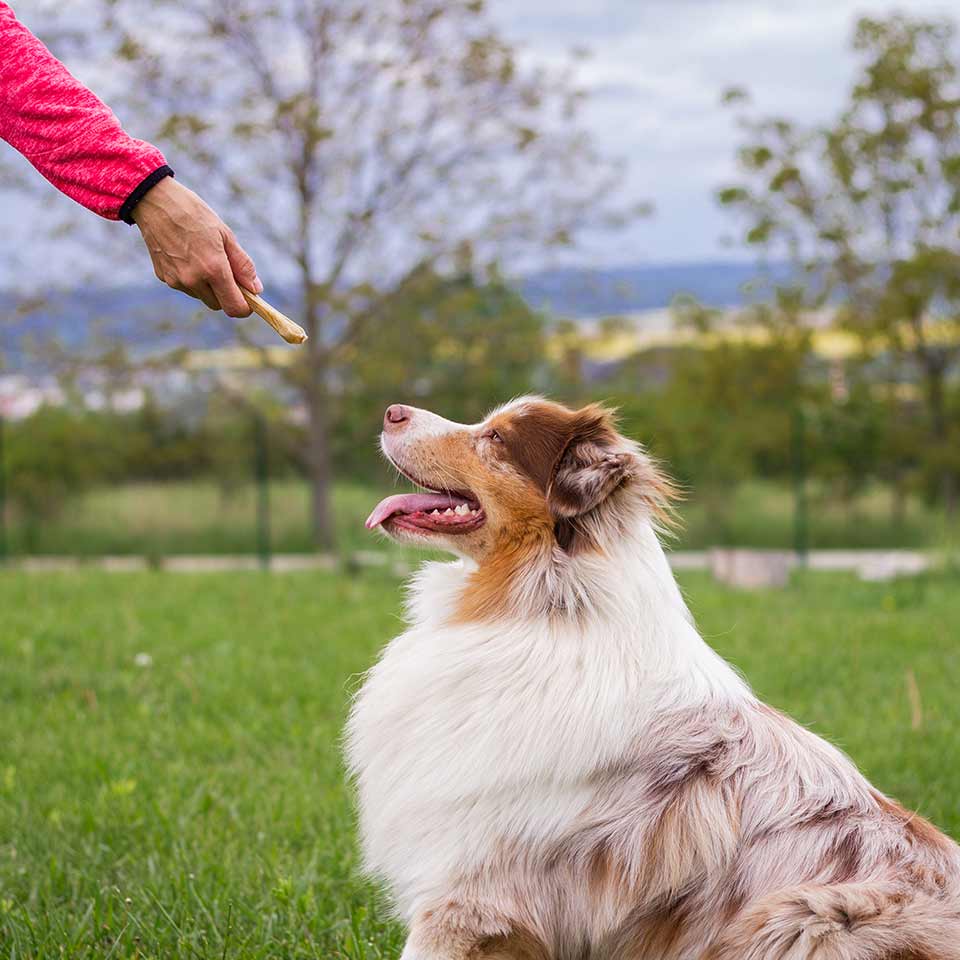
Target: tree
{"type": "Point", "coordinates": [868, 208]}
{"type": "Point", "coordinates": [349, 141]}
{"type": "Point", "coordinates": [450, 343]}
{"type": "Point", "coordinates": [50, 457]}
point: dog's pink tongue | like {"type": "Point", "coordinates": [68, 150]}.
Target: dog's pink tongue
{"type": "Point", "coordinates": [408, 503]}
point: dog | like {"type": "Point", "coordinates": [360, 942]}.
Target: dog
{"type": "Point", "coordinates": [551, 763]}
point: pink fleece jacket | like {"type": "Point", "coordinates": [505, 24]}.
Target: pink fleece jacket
{"type": "Point", "coordinates": [69, 135]}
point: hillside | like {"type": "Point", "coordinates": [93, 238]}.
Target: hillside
{"type": "Point", "coordinates": [130, 315]}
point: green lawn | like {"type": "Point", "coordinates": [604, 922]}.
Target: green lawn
{"type": "Point", "coordinates": [761, 514]}
{"type": "Point", "coordinates": [163, 519]}
{"type": "Point", "coordinates": [170, 781]}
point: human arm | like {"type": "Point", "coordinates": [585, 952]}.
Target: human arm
{"type": "Point", "coordinates": [77, 143]}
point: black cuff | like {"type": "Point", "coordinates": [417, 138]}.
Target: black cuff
{"type": "Point", "coordinates": [140, 191]}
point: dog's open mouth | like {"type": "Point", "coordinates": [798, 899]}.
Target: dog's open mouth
{"type": "Point", "coordinates": [433, 512]}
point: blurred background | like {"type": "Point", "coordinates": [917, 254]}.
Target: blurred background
{"type": "Point", "coordinates": [745, 236]}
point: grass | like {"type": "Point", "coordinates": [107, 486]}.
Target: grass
{"type": "Point", "coordinates": [175, 518]}
{"type": "Point", "coordinates": [170, 777]}
{"type": "Point", "coordinates": [162, 519]}
{"type": "Point", "coordinates": [761, 514]}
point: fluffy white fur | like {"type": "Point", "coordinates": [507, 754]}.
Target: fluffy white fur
{"type": "Point", "coordinates": [466, 737]}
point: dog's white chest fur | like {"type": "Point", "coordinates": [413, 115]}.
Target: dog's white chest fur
{"type": "Point", "coordinates": [467, 739]}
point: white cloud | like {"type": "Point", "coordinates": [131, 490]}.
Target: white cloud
{"type": "Point", "coordinates": [656, 73]}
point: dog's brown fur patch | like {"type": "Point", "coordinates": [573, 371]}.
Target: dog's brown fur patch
{"type": "Point", "coordinates": [555, 467]}
{"type": "Point", "coordinates": [517, 945]}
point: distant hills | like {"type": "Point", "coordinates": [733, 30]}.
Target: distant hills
{"type": "Point", "coordinates": [129, 314]}
{"type": "Point", "coordinates": [144, 319]}
{"type": "Point", "coordinates": [597, 293]}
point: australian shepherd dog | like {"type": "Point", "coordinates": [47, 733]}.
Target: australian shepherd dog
{"type": "Point", "coordinates": [552, 764]}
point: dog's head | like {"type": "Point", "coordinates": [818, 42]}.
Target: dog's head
{"type": "Point", "coordinates": [533, 476]}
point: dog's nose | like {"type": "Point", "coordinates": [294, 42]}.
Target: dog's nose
{"type": "Point", "coordinates": [396, 417]}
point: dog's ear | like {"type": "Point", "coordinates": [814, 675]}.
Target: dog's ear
{"type": "Point", "coordinates": [588, 468]}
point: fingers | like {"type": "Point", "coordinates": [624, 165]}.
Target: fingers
{"type": "Point", "coordinates": [232, 301]}
{"type": "Point", "coordinates": [213, 283]}
{"type": "Point", "coordinates": [244, 271]}
{"type": "Point", "coordinates": [193, 285]}
{"type": "Point", "coordinates": [203, 291]}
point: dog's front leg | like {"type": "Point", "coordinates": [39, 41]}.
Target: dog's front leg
{"type": "Point", "coordinates": [460, 931]}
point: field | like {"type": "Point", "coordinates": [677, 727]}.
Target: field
{"type": "Point", "coordinates": [162, 519]}
{"type": "Point", "coordinates": [170, 781]}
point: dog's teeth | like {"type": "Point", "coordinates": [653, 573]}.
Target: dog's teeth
{"type": "Point", "coordinates": [436, 513]}
{"type": "Point", "coordinates": [462, 509]}
{"type": "Point", "coordinates": [448, 512]}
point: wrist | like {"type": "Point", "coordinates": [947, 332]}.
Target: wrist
{"type": "Point", "coordinates": [162, 177]}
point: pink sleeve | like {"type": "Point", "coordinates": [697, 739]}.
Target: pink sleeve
{"type": "Point", "coordinates": [69, 135]}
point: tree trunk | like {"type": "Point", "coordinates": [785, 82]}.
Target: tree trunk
{"type": "Point", "coordinates": [321, 473]}
{"type": "Point", "coordinates": [948, 493]}
{"type": "Point", "coordinates": [935, 398]}
{"type": "Point", "coordinates": [318, 415]}
{"type": "Point", "coordinates": [898, 500]}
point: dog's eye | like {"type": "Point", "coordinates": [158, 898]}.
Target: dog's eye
{"type": "Point", "coordinates": [494, 436]}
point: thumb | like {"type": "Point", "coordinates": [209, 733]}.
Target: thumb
{"type": "Point", "coordinates": [244, 271]}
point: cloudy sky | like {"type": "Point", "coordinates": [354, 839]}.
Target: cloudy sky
{"type": "Point", "coordinates": [656, 72]}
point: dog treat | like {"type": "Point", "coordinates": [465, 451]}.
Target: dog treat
{"type": "Point", "coordinates": [290, 331]}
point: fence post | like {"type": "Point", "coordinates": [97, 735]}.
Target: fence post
{"type": "Point", "coordinates": [800, 518]}
{"type": "Point", "coordinates": [262, 476]}
{"type": "Point", "coordinates": [4, 546]}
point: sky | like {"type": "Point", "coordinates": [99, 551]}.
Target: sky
{"type": "Point", "coordinates": [655, 75]}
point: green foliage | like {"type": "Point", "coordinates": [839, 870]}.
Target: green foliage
{"type": "Point", "coordinates": [55, 456]}
{"type": "Point", "coordinates": [724, 412]}
{"type": "Point", "coordinates": [850, 442]}
{"type": "Point", "coordinates": [52, 456]}
{"type": "Point", "coordinates": [159, 446]}
{"type": "Point", "coordinates": [448, 344]}
{"type": "Point", "coordinates": [870, 204]}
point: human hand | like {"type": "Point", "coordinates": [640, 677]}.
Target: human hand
{"type": "Point", "coordinates": [193, 250]}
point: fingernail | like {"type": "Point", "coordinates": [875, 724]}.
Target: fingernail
{"type": "Point", "coordinates": [257, 285]}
